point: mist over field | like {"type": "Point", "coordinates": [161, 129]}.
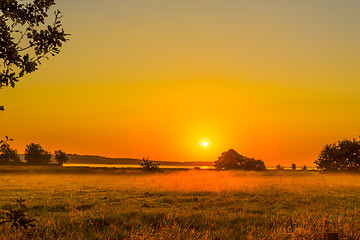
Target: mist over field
{"type": "Point", "coordinates": [194, 204]}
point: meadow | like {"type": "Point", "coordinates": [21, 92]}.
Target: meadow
{"type": "Point", "coordinates": [80, 203]}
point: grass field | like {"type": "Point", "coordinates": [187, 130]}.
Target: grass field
{"type": "Point", "coordinates": [195, 204]}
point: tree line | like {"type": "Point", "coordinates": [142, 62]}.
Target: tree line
{"type": "Point", "coordinates": [34, 155]}
{"type": "Point", "coordinates": [342, 156]}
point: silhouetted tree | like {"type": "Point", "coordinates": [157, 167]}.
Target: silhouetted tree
{"type": "Point", "coordinates": [230, 160]}
{"type": "Point", "coordinates": [148, 165]}
{"type": "Point", "coordinates": [61, 157]}
{"type": "Point", "coordinates": [233, 160]}
{"type": "Point", "coordinates": [341, 156]}
{"type": "Point", "coordinates": [293, 166]}
{"type": "Point", "coordinates": [25, 38]}
{"type": "Point", "coordinates": [36, 155]}
{"type": "Point", "coordinates": [7, 154]}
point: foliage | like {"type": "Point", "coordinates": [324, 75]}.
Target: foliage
{"type": "Point", "coordinates": [18, 217]}
{"type": "Point", "coordinates": [293, 166]}
{"type": "Point", "coordinates": [25, 38]}
{"type": "Point", "coordinates": [253, 164]}
{"type": "Point", "coordinates": [233, 160]}
{"type": "Point", "coordinates": [7, 154]}
{"type": "Point", "coordinates": [61, 157]}
{"type": "Point", "coordinates": [148, 165]}
{"type": "Point", "coordinates": [36, 155]}
{"type": "Point", "coordinates": [342, 156]}
{"type": "Point", "coordinates": [304, 168]}
{"type": "Point", "coordinates": [7, 139]}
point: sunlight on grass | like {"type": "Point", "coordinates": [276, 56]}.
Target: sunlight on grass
{"type": "Point", "coordinates": [185, 205]}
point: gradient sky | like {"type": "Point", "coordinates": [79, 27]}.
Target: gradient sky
{"type": "Point", "coordinates": [274, 80]}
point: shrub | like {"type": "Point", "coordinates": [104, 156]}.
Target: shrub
{"type": "Point", "coordinates": [18, 217]}
{"type": "Point", "coordinates": [279, 167]}
{"type": "Point", "coordinates": [253, 164]}
{"type": "Point", "coordinates": [148, 165]}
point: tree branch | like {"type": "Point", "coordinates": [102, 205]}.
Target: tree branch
{"type": "Point", "coordinates": [23, 49]}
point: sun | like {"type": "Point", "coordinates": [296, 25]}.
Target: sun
{"type": "Point", "coordinates": [205, 143]}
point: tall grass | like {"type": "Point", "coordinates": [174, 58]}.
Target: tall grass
{"type": "Point", "coordinates": [184, 205]}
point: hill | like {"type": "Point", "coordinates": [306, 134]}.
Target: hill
{"type": "Point", "coordinates": [91, 159]}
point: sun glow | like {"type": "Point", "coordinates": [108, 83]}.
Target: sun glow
{"type": "Point", "coordinates": [205, 143]}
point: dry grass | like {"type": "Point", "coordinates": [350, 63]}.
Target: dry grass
{"type": "Point", "coordinates": [184, 205]}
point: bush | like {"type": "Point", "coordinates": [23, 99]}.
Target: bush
{"type": "Point", "coordinates": [279, 167]}
{"type": "Point", "coordinates": [148, 165]}
{"type": "Point", "coordinates": [343, 156]}
{"type": "Point", "coordinates": [233, 160]}
{"type": "Point", "coordinates": [18, 217]}
{"type": "Point", "coordinates": [253, 164]}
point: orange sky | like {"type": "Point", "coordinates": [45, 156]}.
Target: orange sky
{"type": "Point", "coordinates": [274, 81]}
